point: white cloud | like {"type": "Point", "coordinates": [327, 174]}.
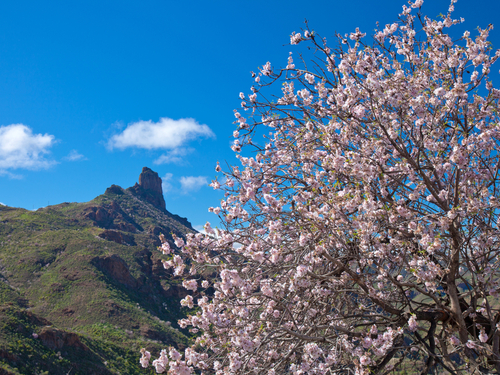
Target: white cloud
{"type": "Point", "coordinates": [176, 156]}
{"type": "Point", "coordinates": [11, 175]}
{"type": "Point", "coordinates": [165, 184]}
{"type": "Point", "coordinates": [200, 228]}
{"type": "Point", "coordinates": [74, 155]}
{"type": "Point", "coordinates": [2, 204]}
{"type": "Point", "coordinates": [20, 148]}
{"type": "Point", "coordinates": [164, 134]}
{"type": "Point", "coordinates": [192, 183]}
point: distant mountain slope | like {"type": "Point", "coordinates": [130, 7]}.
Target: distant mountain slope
{"type": "Point", "coordinates": [86, 279]}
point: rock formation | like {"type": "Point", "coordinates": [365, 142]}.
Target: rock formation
{"type": "Point", "coordinates": [111, 216]}
{"type": "Point", "coordinates": [118, 237]}
{"type": "Point", "coordinates": [116, 268]}
{"type": "Point", "coordinates": [57, 339]}
{"type": "Point", "coordinates": [149, 188]}
{"type": "Point", "coordinates": [149, 180]}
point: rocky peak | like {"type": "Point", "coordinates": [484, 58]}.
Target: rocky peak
{"type": "Point", "coordinates": [150, 180]}
{"type": "Point", "coordinates": [149, 188]}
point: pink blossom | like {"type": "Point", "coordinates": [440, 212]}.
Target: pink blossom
{"type": "Point", "coordinates": [470, 344]}
{"type": "Point", "coordinates": [301, 271]}
{"type": "Point", "coordinates": [295, 38]}
{"type": "Point", "coordinates": [161, 363]}
{"type": "Point", "coordinates": [266, 69]}
{"type": "Point", "coordinates": [144, 360]}
{"type": "Point", "coordinates": [165, 248]}
{"type": "Point", "coordinates": [190, 284]}
{"type": "Point", "coordinates": [412, 323]}
{"type": "Point", "coordinates": [179, 242]}
{"type": "Point", "coordinates": [313, 350]}
{"type": "Point", "coordinates": [454, 340]}
{"type": "Point", "coordinates": [483, 337]}
{"type": "Point", "coordinates": [364, 360]}
{"type": "Point", "coordinates": [417, 4]}
{"type": "Point", "coordinates": [187, 301]}
{"type": "Point", "coordinates": [367, 342]}
{"type": "Point", "coordinates": [309, 78]}
{"type": "Point", "coordinates": [174, 354]}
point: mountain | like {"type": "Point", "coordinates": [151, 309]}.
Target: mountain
{"type": "Point", "coordinates": [82, 288]}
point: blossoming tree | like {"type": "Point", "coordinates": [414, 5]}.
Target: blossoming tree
{"type": "Point", "coordinates": [361, 235]}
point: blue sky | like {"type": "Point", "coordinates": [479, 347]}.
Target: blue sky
{"type": "Point", "coordinates": [92, 91]}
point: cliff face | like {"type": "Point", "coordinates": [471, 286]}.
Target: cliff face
{"type": "Point", "coordinates": [149, 188]}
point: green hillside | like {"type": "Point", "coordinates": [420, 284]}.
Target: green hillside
{"type": "Point", "coordinates": [82, 288]}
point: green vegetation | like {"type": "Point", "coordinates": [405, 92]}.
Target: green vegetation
{"type": "Point", "coordinates": [82, 288]}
